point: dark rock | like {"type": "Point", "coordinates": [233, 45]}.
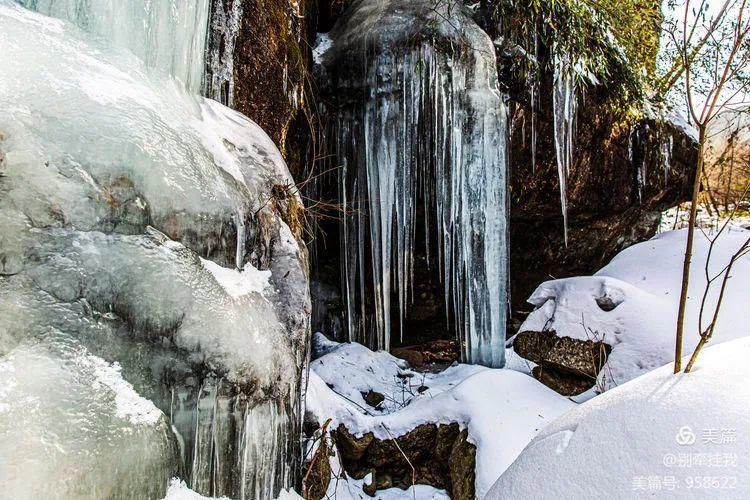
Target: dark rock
{"type": "Point", "coordinates": [562, 383]}
{"type": "Point", "coordinates": [434, 451]}
{"type": "Point", "coordinates": [373, 398]}
{"type": "Point", "coordinates": [462, 466]}
{"type": "Point", "coordinates": [415, 444]}
{"type": "Point", "coordinates": [350, 447]}
{"type": "Point", "coordinates": [414, 358]}
{"type": "Point", "coordinates": [566, 365]}
{"type": "Point", "coordinates": [271, 53]}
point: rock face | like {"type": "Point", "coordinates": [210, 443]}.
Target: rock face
{"type": "Point", "coordinates": [439, 454]}
{"type": "Point", "coordinates": [626, 168]}
{"type": "Point", "coordinates": [259, 58]}
{"type": "Point", "coordinates": [569, 366]}
{"type": "Point", "coordinates": [621, 178]}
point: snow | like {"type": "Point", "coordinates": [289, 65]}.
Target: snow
{"type": "Point", "coordinates": [502, 409]}
{"type": "Point", "coordinates": [238, 283]}
{"type": "Point", "coordinates": [659, 435]}
{"type": "Point", "coordinates": [129, 404]}
{"type": "Point", "coordinates": [178, 490]}
{"type": "Point", "coordinates": [323, 42]}
{"type": "Point", "coordinates": [643, 282]}
{"type": "Point", "coordinates": [680, 122]}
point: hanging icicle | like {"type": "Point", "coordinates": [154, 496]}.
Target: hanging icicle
{"type": "Point", "coordinates": [427, 121]}
{"type": "Point", "coordinates": [565, 112]}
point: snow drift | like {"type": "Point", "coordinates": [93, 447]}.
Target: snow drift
{"type": "Point", "coordinates": [663, 435]}
{"type": "Point", "coordinates": [502, 409]}
{"type": "Point", "coordinates": [631, 304]}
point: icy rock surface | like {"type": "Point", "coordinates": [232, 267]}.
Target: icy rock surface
{"type": "Point", "coordinates": [419, 121]}
{"type": "Point", "coordinates": [115, 181]}
{"type": "Point", "coordinates": [71, 427]}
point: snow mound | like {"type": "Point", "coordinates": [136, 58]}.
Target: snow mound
{"type": "Point", "coordinates": [663, 435]}
{"type": "Point", "coordinates": [632, 302]}
{"type": "Point", "coordinates": [502, 409]}
{"type": "Point", "coordinates": [178, 490]}
{"type": "Point", "coordinates": [238, 283]}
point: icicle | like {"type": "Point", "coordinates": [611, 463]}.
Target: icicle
{"type": "Point", "coordinates": [225, 25]}
{"type": "Point", "coordinates": [239, 222]}
{"type": "Point", "coordinates": [667, 146]}
{"type": "Point", "coordinates": [565, 110]}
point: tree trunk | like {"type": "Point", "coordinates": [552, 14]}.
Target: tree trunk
{"type": "Point", "coordinates": [689, 250]}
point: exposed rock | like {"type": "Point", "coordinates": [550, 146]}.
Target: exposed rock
{"type": "Point", "coordinates": [440, 455]}
{"type": "Point", "coordinates": [562, 383]}
{"type": "Point", "coordinates": [566, 365]}
{"type": "Point", "coordinates": [270, 64]}
{"type": "Point", "coordinates": [352, 447]}
{"type": "Point", "coordinates": [411, 356]}
{"type": "Point", "coordinates": [373, 398]}
{"type": "Point", "coordinates": [462, 465]}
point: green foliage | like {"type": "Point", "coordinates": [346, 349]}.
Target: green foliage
{"type": "Point", "coordinates": [612, 43]}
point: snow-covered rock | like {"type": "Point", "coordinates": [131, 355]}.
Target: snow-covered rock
{"type": "Point", "coordinates": [502, 409]}
{"type": "Point", "coordinates": [631, 304]}
{"type": "Point", "coordinates": [658, 436]}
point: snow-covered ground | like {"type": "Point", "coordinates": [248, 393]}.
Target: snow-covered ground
{"type": "Point", "coordinates": [632, 302]}
{"type": "Point", "coordinates": [502, 409]}
{"type": "Point", "coordinates": [658, 436]}
{"type": "Point", "coordinates": [679, 217]}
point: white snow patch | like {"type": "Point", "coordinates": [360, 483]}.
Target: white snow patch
{"type": "Point", "coordinates": [238, 283]}
{"type": "Point", "coordinates": [130, 405]}
{"type": "Point", "coordinates": [628, 442]}
{"type": "Point", "coordinates": [323, 42]}
{"type": "Point", "coordinates": [643, 285]}
{"type": "Point", "coordinates": [178, 490]}
{"type": "Point", "coordinates": [502, 409]}
{"type": "Point", "coordinates": [681, 123]}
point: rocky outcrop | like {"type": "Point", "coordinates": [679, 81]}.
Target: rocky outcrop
{"type": "Point", "coordinates": [436, 455]}
{"type": "Point", "coordinates": [623, 175]}
{"type": "Point", "coordinates": [259, 58]}
{"type": "Point", "coordinates": [569, 366]}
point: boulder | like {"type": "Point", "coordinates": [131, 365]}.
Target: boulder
{"type": "Point", "coordinates": [440, 456]}
{"type": "Point", "coordinates": [567, 365]}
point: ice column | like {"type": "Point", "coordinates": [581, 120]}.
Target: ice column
{"type": "Point", "coordinates": [168, 36]}
{"type": "Point", "coordinates": [565, 107]}
{"type": "Point", "coordinates": [427, 123]}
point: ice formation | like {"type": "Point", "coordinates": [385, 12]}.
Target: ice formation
{"type": "Point", "coordinates": [225, 24]}
{"type": "Point", "coordinates": [565, 107]}
{"type": "Point", "coordinates": [420, 127]}
{"type": "Point", "coordinates": [115, 181]}
{"type": "Point", "coordinates": [168, 36]}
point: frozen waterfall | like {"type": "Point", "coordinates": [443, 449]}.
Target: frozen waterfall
{"type": "Point", "coordinates": [138, 338]}
{"type": "Point", "coordinates": [168, 36]}
{"type": "Point", "coordinates": [419, 120]}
